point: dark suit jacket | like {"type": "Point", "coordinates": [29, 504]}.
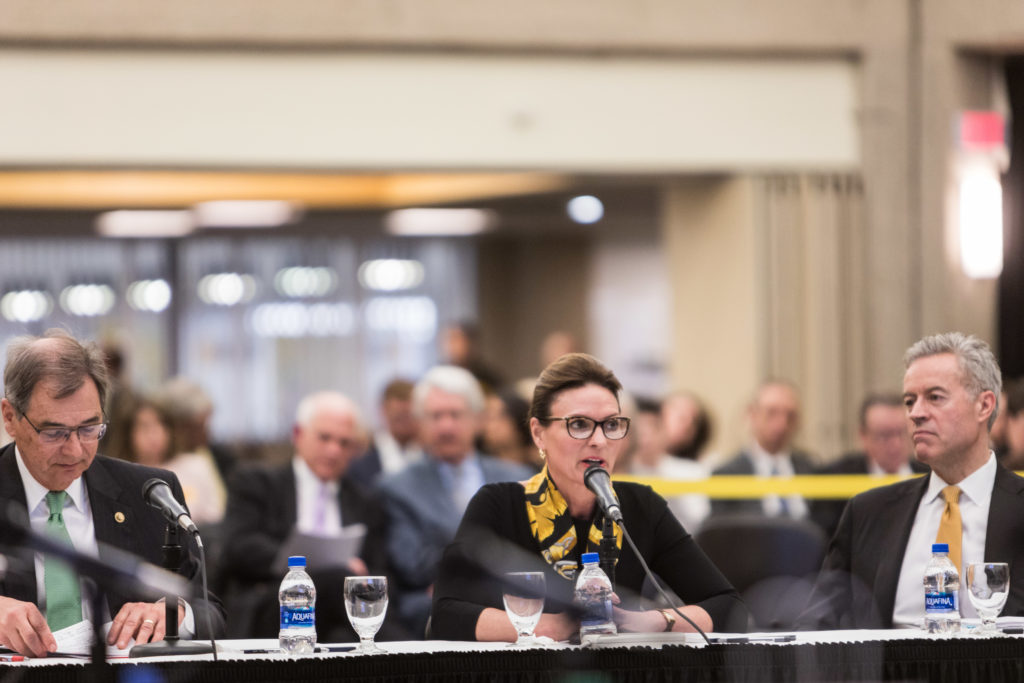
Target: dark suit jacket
{"type": "Point", "coordinates": [857, 586]}
{"type": "Point", "coordinates": [366, 469]}
{"type": "Point", "coordinates": [826, 512]}
{"type": "Point", "coordinates": [742, 464]}
{"type": "Point", "coordinates": [114, 487]}
{"type": "Point", "coordinates": [261, 512]}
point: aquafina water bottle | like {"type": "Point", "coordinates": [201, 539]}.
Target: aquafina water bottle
{"type": "Point", "coordinates": [594, 598]}
{"type": "Point", "coordinates": [297, 597]}
{"type": "Point", "coordinates": [941, 592]}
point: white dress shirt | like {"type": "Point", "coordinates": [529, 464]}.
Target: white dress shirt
{"type": "Point", "coordinates": [77, 516]}
{"type": "Point", "coordinates": [310, 494]}
{"type": "Point", "coordinates": [777, 465]}
{"type": "Point", "coordinates": [975, 497]}
{"type": "Point", "coordinates": [394, 458]}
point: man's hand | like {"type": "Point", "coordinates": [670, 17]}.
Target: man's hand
{"type": "Point", "coordinates": [143, 621]}
{"type": "Point", "coordinates": [23, 628]}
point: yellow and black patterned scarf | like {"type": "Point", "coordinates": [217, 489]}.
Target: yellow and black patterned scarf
{"type": "Point", "coordinates": [552, 525]}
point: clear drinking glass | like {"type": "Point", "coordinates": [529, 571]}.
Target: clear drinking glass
{"type": "Point", "coordinates": [988, 584]}
{"type": "Point", "coordinates": [366, 602]}
{"type": "Point", "coordinates": [523, 596]}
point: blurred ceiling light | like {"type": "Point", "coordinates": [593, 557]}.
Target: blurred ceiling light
{"type": "Point", "coordinates": [439, 222]}
{"type": "Point", "coordinates": [390, 275]}
{"type": "Point", "coordinates": [585, 209]}
{"type": "Point", "coordinates": [293, 319]}
{"type": "Point", "coordinates": [145, 223]}
{"type": "Point", "coordinates": [302, 281]}
{"type": "Point", "coordinates": [412, 317]}
{"type": "Point", "coordinates": [226, 289]}
{"type": "Point", "coordinates": [153, 296]}
{"type": "Point", "coordinates": [246, 213]}
{"type": "Point", "coordinates": [87, 300]}
{"type": "Point", "coordinates": [26, 305]}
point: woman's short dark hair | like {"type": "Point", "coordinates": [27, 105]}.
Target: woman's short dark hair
{"type": "Point", "coordinates": [571, 371]}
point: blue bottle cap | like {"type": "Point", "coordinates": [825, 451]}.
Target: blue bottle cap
{"type": "Point", "coordinates": [297, 561]}
{"type": "Point", "coordinates": [940, 547]}
{"type": "Point", "coordinates": [590, 557]}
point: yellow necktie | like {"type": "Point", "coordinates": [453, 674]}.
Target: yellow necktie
{"type": "Point", "coordinates": [951, 528]}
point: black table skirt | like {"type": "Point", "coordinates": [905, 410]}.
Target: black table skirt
{"type": "Point", "coordinates": [954, 660]}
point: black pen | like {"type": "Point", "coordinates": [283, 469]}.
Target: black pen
{"type": "Point", "coordinates": [335, 648]}
{"type": "Point", "coordinates": [765, 639]}
{"type": "Point", "coordinates": [260, 652]}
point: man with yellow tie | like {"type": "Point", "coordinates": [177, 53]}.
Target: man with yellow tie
{"type": "Point", "coordinates": [873, 573]}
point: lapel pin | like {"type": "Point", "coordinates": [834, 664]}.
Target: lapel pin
{"type": "Point", "coordinates": [119, 517]}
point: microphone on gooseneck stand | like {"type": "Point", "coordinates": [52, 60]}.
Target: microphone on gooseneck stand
{"type": "Point", "coordinates": [597, 480]}
{"type": "Point", "coordinates": [158, 494]}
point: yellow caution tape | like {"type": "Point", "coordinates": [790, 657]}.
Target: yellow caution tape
{"type": "Point", "coordinates": [820, 486]}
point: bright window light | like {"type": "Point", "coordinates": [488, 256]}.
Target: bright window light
{"type": "Point", "coordinates": [26, 305]}
{"type": "Point", "coordinates": [981, 221]}
{"type": "Point", "coordinates": [87, 300]}
{"type": "Point", "coordinates": [153, 296]}
{"type": "Point", "coordinates": [226, 289]}
{"type": "Point", "coordinates": [390, 275]}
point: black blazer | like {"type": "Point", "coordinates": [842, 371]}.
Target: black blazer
{"type": "Point", "coordinates": [742, 464]}
{"type": "Point", "coordinates": [857, 586]}
{"type": "Point", "coordinates": [826, 512]}
{"type": "Point", "coordinates": [115, 493]}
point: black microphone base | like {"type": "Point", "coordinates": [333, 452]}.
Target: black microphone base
{"type": "Point", "coordinates": [170, 646]}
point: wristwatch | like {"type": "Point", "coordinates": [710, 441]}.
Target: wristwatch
{"type": "Point", "coordinates": [670, 619]}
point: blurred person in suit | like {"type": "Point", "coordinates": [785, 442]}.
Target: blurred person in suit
{"type": "Point", "coordinates": [651, 458]}
{"type": "Point", "coordinates": [1014, 408]}
{"type": "Point", "coordinates": [774, 418]}
{"type": "Point", "coordinates": [425, 501]}
{"type": "Point", "coordinates": [55, 388]}
{"type": "Point", "coordinates": [545, 523]}
{"type": "Point", "coordinates": [506, 429]}
{"type": "Point", "coordinates": [461, 347]}
{"type": "Point", "coordinates": [396, 444]}
{"type": "Point", "coordinates": [885, 440]}
{"type": "Point", "coordinates": [687, 425]}
{"type": "Point", "coordinates": [309, 493]}
{"type": "Point", "coordinates": [872, 573]}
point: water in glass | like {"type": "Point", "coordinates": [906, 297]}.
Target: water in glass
{"type": "Point", "coordinates": [524, 603]}
{"type": "Point", "coordinates": [366, 602]}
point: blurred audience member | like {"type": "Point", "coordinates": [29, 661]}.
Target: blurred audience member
{"type": "Point", "coordinates": [997, 436]}
{"type": "Point", "coordinates": [506, 432]}
{"type": "Point", "coordinates": [885, 439]}
{"type": "Point", "coordinates": [774, 418]}
{"type": "Point", "coordinates": [556, 345]}
{"type": "Point", "coordinates": [462, 348]}
{"type": "Point", "coordinates": [310, 493]}
{"type": "Point", "coordinates": [425, 501]}
{"type": "Point", "coordinates": [396, 444]}
{"type": "Point", "coordinates": [1014, 409]}
{"type": "Point", "coordinates": [200, 466]}
{"type": "Point", "coordinates": [687, 425]}
{"type": "Point", "coordinates": [149, 434]}
{"type": "Point", "coordinates": [119, 404]}
{"type": "Point", "coordinates": [650, 459]}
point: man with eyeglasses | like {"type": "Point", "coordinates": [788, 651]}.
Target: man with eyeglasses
{"type": "Point", "coordinates": [425, 501]}
{"type": "Point", "coordinates": [54, 391]}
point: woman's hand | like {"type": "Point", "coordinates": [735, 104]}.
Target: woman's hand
{"type": "Point", "coordinates": [653, 621]}
{"type": "Point", "coordinates": [556, 626]}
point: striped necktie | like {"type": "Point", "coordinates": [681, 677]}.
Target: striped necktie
{"type": "Point", "coordinates": [63, 593]}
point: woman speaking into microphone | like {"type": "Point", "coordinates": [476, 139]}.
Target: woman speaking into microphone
{"type": "Point", "coordinates": [547, 522]}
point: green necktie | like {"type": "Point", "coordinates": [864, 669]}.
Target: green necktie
{"type": "Point", "coordinates": [63, 594]}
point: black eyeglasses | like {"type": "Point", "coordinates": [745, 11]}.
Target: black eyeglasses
{"type": "Point", "coordinates": [56, 435]}
{"type": "Point", "coordinates": [580, 427]}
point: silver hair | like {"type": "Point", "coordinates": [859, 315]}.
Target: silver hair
{"type": "Point", "coordinates": [184, 399]}
{"type": "Point", "coordinates": [978, 367]}
{"type": "Point", "coordinates": [310, 405]}
{"type": "Point", "coordinates": [55, 355]}
{"type": "Point", "coordinates": [451, 380]}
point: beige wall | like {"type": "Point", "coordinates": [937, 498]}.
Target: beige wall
{"type": "Point", "coordinates": [918, 63]}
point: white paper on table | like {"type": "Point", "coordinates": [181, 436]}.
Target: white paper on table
{"type": "Point", "coordinates": [77, 640]}
{"type": "Point", "coordinates": [324, 552]}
